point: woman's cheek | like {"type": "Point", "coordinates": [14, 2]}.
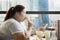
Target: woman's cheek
{"type": "Point", "coordinates": [22, 18]}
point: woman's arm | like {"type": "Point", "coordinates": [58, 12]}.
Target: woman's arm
{"type": "Point", "coordinates": [19, 36]}
{"type": "Point", "coordinates": [16, 31]}
{"type": "Point", "coordinates": [30, 25]}
{"type": "Point", "coordinates": [39, 29]}
{"type": "Point", "coordinates": [29, 30]}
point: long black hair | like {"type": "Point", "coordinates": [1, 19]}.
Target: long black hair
{"type": "Point", "coordinates": [11, 12]}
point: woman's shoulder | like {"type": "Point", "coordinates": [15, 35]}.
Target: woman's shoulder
{"type": "Point", "coordinates": [10, 21]}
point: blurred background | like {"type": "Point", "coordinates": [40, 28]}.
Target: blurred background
{"type": "Point", "coordinates": [35, 5]}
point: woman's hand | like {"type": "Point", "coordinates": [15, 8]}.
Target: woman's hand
{"type": "Point", "coordinates": [39, 29]}
{"type": "Point", "coordinates": [29, 30]}
{"type": "Point", "coordinates": [30, 26]}
{"type": "Point", "coordinates": [43, 28]}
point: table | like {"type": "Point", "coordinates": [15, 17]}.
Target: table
{"type": "Point", "coordinates": [34, 36]}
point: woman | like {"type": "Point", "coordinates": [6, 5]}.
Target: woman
{"type": "Point", "coordinates": [12, 24]}
{"type": "Point", "coordinates": [13, 27]}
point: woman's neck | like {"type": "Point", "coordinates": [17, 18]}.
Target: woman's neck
{"type": "Point", "coordinates": [16, 19]}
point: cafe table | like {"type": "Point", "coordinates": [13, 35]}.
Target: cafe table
{"type": "Point", "coordinates": [34, 37]}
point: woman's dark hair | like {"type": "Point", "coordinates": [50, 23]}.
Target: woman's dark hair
{"type": "Point", "coordinates": [11, 12]}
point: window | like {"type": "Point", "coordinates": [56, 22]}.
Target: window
{"type": "Point", "coordinates": [30, 5]}
{"type": "Point", "coordinates": [54, 5]}
{"type": "Point", "coordinates": [6, 4]}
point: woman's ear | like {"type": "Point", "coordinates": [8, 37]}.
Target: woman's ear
{"type": "Point", "coordinates": [18, 14]}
